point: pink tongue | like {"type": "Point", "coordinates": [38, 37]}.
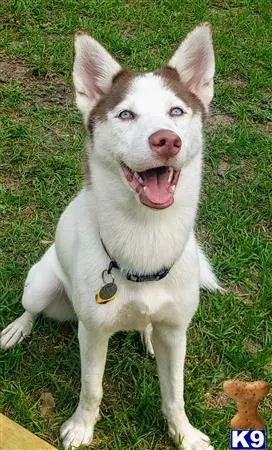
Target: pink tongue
{"type": "Point", "coordinates": [157, 189]}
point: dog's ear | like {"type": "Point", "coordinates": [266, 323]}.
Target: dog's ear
{"type": "Point", "coordinates": [93, 71]}
{"type": "Point", "coordinates": [194, 61]}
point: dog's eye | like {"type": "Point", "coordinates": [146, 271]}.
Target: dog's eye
{"type": "Point", "coordinates": [126, 115]}
{"type": "Point", "coordinates": [176, 111]}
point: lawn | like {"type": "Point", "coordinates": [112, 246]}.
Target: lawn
{"type": "Point", "coordinates": [42, 141]}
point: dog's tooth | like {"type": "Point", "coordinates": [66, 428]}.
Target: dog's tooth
{"type": "Point", "coordinates": [171, 172]}
{"type": "Point", "coordinates": [138, 177]}
{"type": "Point", "coordinates": [173, 187]}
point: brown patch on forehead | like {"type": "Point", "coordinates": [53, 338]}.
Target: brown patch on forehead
{"type": "Point", "coordinates": [120, 84]}
{"type": "Point", "coordinates": [172, 80]}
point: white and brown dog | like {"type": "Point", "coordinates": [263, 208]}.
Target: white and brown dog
{"type": "Point", "coordinates": [125, 254]}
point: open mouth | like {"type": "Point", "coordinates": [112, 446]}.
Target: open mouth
{"type": "Point", "coordinates": [155, 187]}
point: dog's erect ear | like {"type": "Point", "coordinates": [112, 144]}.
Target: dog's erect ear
{"type": "Point", "coordinates": [194, 61]}
{"type": "Point", "coordinates": [94, 69]}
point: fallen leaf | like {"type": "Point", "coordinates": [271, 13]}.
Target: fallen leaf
{"type": "Point", "coordinates": [47, 404]}
{"type": "Point", "coordinates": [269, 127]}
{"type": "Point", "coordinates": [223, 167]}
{"type": "Point", "coordinates": [44, 241]}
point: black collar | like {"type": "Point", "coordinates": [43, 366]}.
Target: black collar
{"type": "Point", "coordinates": [136, 276]}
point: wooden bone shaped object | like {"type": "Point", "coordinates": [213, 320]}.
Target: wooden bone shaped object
{"type": "Point", "coordinates": [247, 396]}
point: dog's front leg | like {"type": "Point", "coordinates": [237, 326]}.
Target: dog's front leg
{"type": "Point", "coordinates": [93, 351]}
{"type": "Point", "coordinates": [170, 348]}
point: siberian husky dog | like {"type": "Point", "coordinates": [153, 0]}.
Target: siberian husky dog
{"type": "Point", "coordinates": [125, 254]}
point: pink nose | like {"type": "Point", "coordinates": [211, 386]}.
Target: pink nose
{"type": "Point", "coordinates": [165, 143]}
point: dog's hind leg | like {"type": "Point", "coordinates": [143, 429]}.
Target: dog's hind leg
{"type": "Point", "coordinates": [42, 290]}
{"type": "Point", "coordinates": [17, 330]}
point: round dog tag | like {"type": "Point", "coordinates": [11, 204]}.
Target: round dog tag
{"type": "Point", "coordinates": [106, 293]}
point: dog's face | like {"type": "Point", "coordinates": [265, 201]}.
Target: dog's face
{"type": "Point", "coordinates": [145, 127]}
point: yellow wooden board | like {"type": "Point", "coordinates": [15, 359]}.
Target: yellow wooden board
{"type": "Point", "coordinates": [15, 437]}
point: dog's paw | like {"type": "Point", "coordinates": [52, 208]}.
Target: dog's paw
{"type": "Point", "coordinates": [75, 432]}
{"type": "Point", "coordinates": [192, 439]}
{"type": "Point", "coordinates": [16, 331]}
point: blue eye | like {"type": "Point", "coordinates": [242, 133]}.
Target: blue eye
{"type": "Point", "coordinates": [176, 111]}
{"type": "Point", "coordinates": [126, 115]}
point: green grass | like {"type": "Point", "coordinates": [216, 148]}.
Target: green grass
{"type": "Point", "coordinates": [42, 142]}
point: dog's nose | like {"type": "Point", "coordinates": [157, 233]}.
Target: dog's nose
{"type": "Point", "coordinates": [165, 143]}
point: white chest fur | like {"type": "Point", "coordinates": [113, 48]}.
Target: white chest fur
{"type": "Point", "coordinates": [82, 259]}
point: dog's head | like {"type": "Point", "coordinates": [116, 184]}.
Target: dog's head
{"type": "Point", "coordinates": [145, 127]}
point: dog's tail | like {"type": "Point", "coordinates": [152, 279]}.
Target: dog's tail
{"type": "Point", "coordinates": [208, 280]}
